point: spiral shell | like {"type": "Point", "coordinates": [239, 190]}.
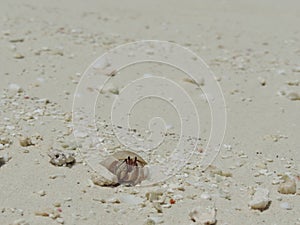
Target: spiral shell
{"type": "Point", "coordinates": [128, 167]}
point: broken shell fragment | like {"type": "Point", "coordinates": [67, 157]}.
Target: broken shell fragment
{"type": "Point", "coordinates": [203, 217]}
{"type": "Point", "coordinates": [154, 195]}
{"type": "Point", "coordinates": [260, 199]}
{"type": "Point", "coordinates": [288, 186]}
{"type": "Point", "coordinates": [106, 178]}
{"type": "Point", "coordinates": [128, 167]}
{"type": "Point", "coordinates": [59, 158]}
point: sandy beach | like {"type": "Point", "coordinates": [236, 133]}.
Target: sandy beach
{"type": "Point", "coordinates": [48, 50]}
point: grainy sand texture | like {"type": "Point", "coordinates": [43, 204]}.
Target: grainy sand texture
{"type": "Point", "coordinates": [47, 174]}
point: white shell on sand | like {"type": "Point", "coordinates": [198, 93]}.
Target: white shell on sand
{"type": "Point", "coordinates": [260, 199]}
{"type": "Point", "coordinates": [154, 195]}
{"type": "Point", "coordinates": [286, 205]}
{"type": "Point", "coordinates": [288, 186]}
{"type": "Point", "coordinates": [203, 216]}
{"type": "Point", "coordinates": [59, 158]}
{"type": "Point", "coordinates": [106, 178]}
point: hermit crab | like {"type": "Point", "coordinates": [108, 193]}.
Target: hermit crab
{"type": "Point", "coordinates": [123, 167]}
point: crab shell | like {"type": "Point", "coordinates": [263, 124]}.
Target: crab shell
{"type": "Point", "coordinates": [125, 173]}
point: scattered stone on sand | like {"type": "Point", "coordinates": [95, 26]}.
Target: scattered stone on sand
{"type": "Point", "coordinates": [41, 193]}
{"type": "Point", "coordinates": [15, 40]}
{"type": "Point", "coordinates": [286, 205]}
{"type": "Point", "coordinates": [296, 69]}
{"type": "Point", "coordinates": [57, 52]}
{"type": "Point", "coordinates": [276, 181]}
{"type": "Point", "coordinates": [152, 220]}
{"type": "Point", "coordinates": [293, 96]}
{"type": "Point", "coordinates": [60, 220]}
{"type": "Point", "coordinates": [198, 83]}
{"type": "Point", "coordinates": [19, 56]}
{"type": "Point", "coordinates": [114, 200]}
{"type": "Point", "coordinates": [57, 204]}
{"type": "Point", "coordinates": [14, 89]}
{"type": "Point", "coordinates": [215, 171]}
{"type": "Point", "coordinates": [51, 213]}
{"type": "Point", "coordinates": [70, 145]}
{"type": "Point", "coordinates": [157, 206]}
{"type": "Point", "coordinates": [5, 141]}
{"type": "Point", "coordinates": [4, 159]}
{"type": "Point", "coordinates": [149, 222]}
{"type": "Point", "coordinates": [131, 199]}
{"type": "Point", "coordinates": [20, 222]}
{"type": "Point", "coordinates": [293, 83]}
{"type": "Point", "coordinates": [59, 158]}
{"type": "Point", "coordinates": [288, 186]}
{"type": "Point", "coordinates": [106, 178]}
{"type": "Point", "coordinates": [281, 72]}
{"type": "Point", "coordinates": [68, 117]}
{"type": "Point", "coordinates": [25, 141]}
{"type": "Point", "coordinates": [206, 196]}
{"type": "Point", "coordinates": [203, 216]}
{"type": "Point", "coordinates": [54, 176]}
{"type": "Point", "coordinates": [154, 196]}
{"type": "Point", "coordinates": [41, 213]}
{"type": "Point", "coordinates": [110, 88]}
{"type": "Point", "coordinates": [262, 81]}
{"type": "Point", "coordinates": [102, 200]}
{"type": "Point", "coordinates": [260, 200]}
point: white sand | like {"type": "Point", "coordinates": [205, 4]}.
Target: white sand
{"type": "Point", "coordinates": [245, 43]}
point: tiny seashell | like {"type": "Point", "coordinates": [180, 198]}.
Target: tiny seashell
{"type": "Point", "coordinates": [128, 167]}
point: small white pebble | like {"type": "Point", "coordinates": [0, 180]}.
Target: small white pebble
{"type": "Point", "coordinates": [57, 204]}
{"type": "Point", "coordinates": [68, 199]}
{"type": "Point", "coordinates": [260, 199]}
{"type": "Point", "coordinates": [281, 72]}
{"type": "Point", "coordinates": [206, 196]}
{"type": "Point", "coordinates": [41, 193]}
{"type": "Point", "coordinates": [60, 220]}
{"type": "Point", "coordinates": [288, 186]}
{"type": "Point", "coordinates": [293, 96]}
{"type": "Point", "coordinates": [178, 197]}
{"type": "Point", "coordinates": [20, 222]}
{"type": "Point", "coordinates": [296, 69]}
{"type": "Point", "coordinates": [285, 205]}
{"type": "Point", "coordinates": [262, 81]}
